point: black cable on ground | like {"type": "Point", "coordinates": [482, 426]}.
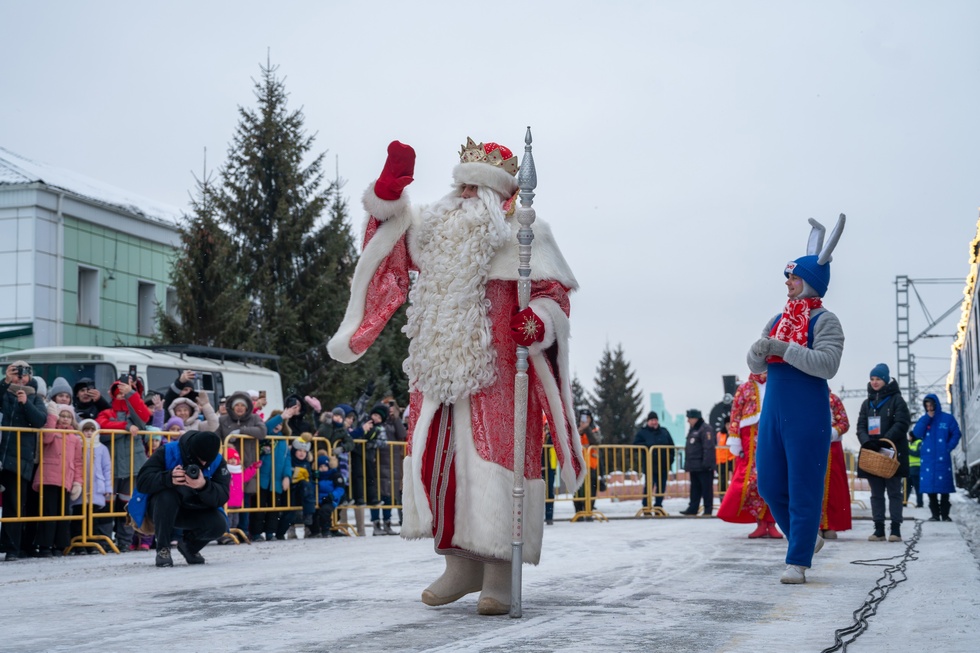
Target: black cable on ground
{"type": "Point", "coordinates": [893, 575]}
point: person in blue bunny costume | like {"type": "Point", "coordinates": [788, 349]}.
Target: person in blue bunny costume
{"type": "Point", "coordinates": [800, 349]}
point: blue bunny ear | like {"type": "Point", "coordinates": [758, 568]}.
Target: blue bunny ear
{"type": "Point", "coordinates": [815, 241]}
{"type": "Point", "coordinates": [827, 250]}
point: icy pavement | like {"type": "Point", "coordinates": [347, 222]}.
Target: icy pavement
{"type": "Point", "coordinates": [677, 584]}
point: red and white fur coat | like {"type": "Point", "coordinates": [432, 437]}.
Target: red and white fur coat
{"type": "Point", "coordinates": [468, 508]}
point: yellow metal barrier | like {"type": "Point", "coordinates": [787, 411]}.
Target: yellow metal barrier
{"type": "Point", "coordinates": [58, 514]}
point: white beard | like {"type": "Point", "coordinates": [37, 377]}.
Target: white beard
{"type": "Point", "coordinates": [450, 353]}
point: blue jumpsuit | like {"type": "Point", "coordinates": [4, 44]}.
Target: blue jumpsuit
{"type": "Point", "coordinates": [791, 458]}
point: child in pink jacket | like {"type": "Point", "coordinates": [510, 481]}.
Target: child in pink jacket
{"type": "Point", "coordinates": [60, 473]}
{"type": "Point", "coordinates": [239, 477]}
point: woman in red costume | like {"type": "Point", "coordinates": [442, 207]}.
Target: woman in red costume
{"type": "Point", "coordinates": [836, 514]}
{"type": "Point", "coordinates": [742, 503]}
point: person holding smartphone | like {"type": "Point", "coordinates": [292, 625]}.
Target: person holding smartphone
{"type": "Point", "coordinates": [88, 401]}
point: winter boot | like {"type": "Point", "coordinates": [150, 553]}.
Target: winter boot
{"type": "Point", "coordinates": [944, 510]}
{"type": "Point", "coordinates": [762, 530]}
{"type": "Point", "coordinates": [190, 555]}
{"type": "Point", "coordinates": [896, 534]}
{"type": "Point", "coordinates": [163, 557]}
{"type": "Point", "coordinates": [829, 534]}
{"type": "Point", "coordinates": [462, 576]}
{"type": "Point", "coordinates": [879, 534]}
{"type": "Point", "coordinates": [818, 545]}
{"type": "Point", "coordinates": [359, 521]}
{"type": "Point", "coordinates": [388, 530]}
{"type": "Point", "coordinates": [794, 575]}
{"type": "Point", "coordinates": [377, 528]}
{"type": "Point", "coordinates": [774, 532]}
{"type": "Point", "coordinates": [495, 597]}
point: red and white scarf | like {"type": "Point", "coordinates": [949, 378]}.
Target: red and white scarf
{"type": "Point", "coordinates": [793, 324]}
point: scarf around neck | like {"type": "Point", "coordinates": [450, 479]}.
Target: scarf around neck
{"type": "Point", "coordinates": [793, 324]}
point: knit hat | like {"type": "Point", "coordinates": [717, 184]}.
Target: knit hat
{"type": "Point", "coordinates": [815, 275]}
{"type": "Point", "coordinates": [204, 445]}
{"type": "Point", "coordinates": [313, 403]}
{"type": "Point", "coordinates": [881, 371]}
{"type": "Point", "coordinates": [252, 394]}
{"type": "Point", "coordinates": [347, 408]}
{"type": "Point", "coordinates": [88, 422]}
{"type": "Point", "coordinates": [301, 445]}
{"type": "Point", "coordinates": [382, 410]}
{"type": "Point", "coordinates": [322, 459]}
{"type": "Point", "coordinates": [65, 408]}
{"type": "Point", "coordinates": [231, 455]}
{"type": "Point", "coordinates": [652, 415]}
{"type": "Point", "coordinates": [238, 400]}
{"type": "Point", "coordinates": [59, 387]}
{"type": "Point", "coordinates": [814, 268]}
{"type": "Point", "coordinates": [489, 164]}
{"type": "Point", "coordinates": [338, 411]}
{"type": "Point", "coordinates": [174, 421]}
{"type": "Point", "coordinates": [693, 413]}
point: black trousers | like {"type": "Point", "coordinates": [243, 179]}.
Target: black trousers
{"type": "Point", "coordinates": [53, 534]}
{"type": "Point", "coordinates": [939, 504]}
{"type": "Point", "coordinates": [702, 486]}
{"type": "Point", "coordinates": [17, 537]}
{"type": "Point", "coordinates": [266, 521]}
{"type": "Point", "coordinates": [200, 525]}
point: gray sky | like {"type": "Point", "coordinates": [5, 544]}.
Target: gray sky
{"type": "Point", "coordinates": [680, 146]}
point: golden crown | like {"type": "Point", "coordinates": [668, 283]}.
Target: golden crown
{"type": "Point", "coordinates": [492, 153]}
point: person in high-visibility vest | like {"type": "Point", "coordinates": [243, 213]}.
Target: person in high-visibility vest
{"type": "Point", "coordinates": [915, 462]}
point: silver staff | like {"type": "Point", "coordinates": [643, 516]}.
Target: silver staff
{"type": "Point", "coordinates": [527, 179]}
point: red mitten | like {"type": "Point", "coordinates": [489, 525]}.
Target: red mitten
{"type": "Point", "coordinates": [526, 328]}
{"type": "Point", "coordinates": [397, 172]}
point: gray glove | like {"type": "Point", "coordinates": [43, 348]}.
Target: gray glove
{"type": "Point", "coordinates": [760, 347]}
{"type": "Point", "coordinates": [777, 348]}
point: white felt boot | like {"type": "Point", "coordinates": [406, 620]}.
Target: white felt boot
{"type": "Point", "coordinates": [462, 576]}
{"type": "Point", "coordinates": [495, 597]}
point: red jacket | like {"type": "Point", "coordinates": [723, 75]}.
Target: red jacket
{"type": "Point", "coordinates": [124, 412]}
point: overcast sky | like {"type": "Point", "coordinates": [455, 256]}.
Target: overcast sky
{"type": "Point", "coordinates": [680, 146]}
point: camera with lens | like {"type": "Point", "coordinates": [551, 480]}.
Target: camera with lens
{"type": "Point", "coordinates": [24, 370]}
{"type": "Point", "coordinates": [192, 471]}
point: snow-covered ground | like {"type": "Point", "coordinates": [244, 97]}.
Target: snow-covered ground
{"type": "Point", "coordinates": [676, 584]}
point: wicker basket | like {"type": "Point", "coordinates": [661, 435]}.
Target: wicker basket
{"type": "Point", "coordinates": [876, 463]}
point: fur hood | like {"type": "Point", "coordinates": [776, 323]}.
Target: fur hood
{"type": "Point", "coordinates": [195, 410]}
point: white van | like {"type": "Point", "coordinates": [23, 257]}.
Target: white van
{"type": "Point", "coordinates": [220, 372]}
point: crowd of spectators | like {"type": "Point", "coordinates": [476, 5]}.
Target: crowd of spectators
{"type": "Point", "coordinates": [295, 484]}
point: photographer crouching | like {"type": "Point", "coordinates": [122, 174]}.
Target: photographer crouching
{"type": "Point", "coordinates": [183, 485]}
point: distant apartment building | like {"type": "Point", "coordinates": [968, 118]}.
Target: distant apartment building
{"type": "Point", "coordinates": [83, 263]}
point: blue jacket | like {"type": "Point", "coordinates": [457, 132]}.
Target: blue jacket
{"type": "Point", "coordinates": [939, 434]}
{"type": "Point", "coordinates": [278, 458]}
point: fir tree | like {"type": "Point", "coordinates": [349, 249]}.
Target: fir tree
{"type": "Point", "coordinates": [209, 310]}
{"type": "Point", "coordinates": [617, 402]}
{"type": "Point", "coordinates": [296, 268]}
{"type": "Point", "coordinates": [579, 400]}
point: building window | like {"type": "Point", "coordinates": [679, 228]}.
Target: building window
{"type": "Point", "coordinates": [88, 296]}
{"type": "Point", "coordinates": [172, 305]}
{"type": "Point", "coordinates": [146, 304]}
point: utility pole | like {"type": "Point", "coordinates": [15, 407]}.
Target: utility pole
{"type": "Point", "coordinates": [905, 371]}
